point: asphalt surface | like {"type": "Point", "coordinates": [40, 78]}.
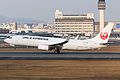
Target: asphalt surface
{"type": "Point", "coordinates": [61, 56]}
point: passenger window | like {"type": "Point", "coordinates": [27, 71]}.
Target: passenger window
{"type": "Point", "coordinates": [25, 37]}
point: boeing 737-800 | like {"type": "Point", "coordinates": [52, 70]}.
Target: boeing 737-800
{"type": "Point", "coordinates": [49, 43]}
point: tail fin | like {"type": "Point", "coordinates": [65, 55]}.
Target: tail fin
{"type": "Point", "coordinates": [104, 35]}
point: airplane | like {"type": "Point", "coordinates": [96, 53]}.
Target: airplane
{"type": "Point", "coordinates": [57, 44]}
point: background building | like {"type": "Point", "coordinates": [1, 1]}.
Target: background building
{"type": "Point", "coordinates": [74, 24]}
{"type": "Point", "coordinates": [97, 26]}
{"type": "Point", "coordinates": [8, 27]}
{"type": "Point", "coordinates": [115, 31]}
{"type": "Point", "coordinates": [116, 26]}
{"type": "Point", "coordinates": [101, 8]}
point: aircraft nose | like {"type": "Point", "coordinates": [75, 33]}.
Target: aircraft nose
{"type": "Point", "coordinates": [6, 40]}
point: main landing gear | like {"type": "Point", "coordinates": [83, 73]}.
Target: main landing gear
{"type": "Point", "coordinates": [57, 50]}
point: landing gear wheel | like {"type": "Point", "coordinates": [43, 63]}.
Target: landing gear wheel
{"type": "Point", "coordinates": [57, 51]}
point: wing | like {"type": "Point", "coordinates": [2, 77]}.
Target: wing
{"type": "Point", "coordinates": [61, 42]}
{"type": "Point", "coordinates": [53, 46]}
{"type": "Point", "coordinates": [59, 45]}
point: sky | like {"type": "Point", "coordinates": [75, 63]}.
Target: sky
{"type": "Point", "coordinates": [45, 9]}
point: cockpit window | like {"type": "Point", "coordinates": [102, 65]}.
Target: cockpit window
{"type": "Point", "coordinates": [9, 37]}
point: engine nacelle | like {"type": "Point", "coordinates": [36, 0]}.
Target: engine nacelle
{"type": "Point", "coordinates": [43, 47]}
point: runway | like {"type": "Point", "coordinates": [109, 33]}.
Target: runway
{"type": "Point", "coordinates": [62, 56]}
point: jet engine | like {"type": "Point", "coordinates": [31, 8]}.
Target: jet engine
{"type": "Point", "coordinates": [43, 47]}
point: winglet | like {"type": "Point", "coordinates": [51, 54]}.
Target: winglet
{"type": "Point", "coordinates": [68, 38]}
{"type": "Point", "coordinates": [77, 37]}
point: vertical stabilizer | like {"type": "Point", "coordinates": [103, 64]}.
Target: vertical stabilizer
{"type": "Point", "coordinates": [104, 35]}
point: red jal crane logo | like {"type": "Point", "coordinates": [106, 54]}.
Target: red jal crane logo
{"type": "Point", "coordinates": [104, 35]}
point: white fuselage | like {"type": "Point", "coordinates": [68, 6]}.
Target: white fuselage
{"type": "Point", "coordinates": [72, 44]}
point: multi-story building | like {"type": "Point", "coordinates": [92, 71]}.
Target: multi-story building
{"type": "Point", "coordinates": [74, 24]}
{"type": "Point", "coordinates": [115, 31]}
{"type": "Point", "coordinates": [3, 29]}
{"type": "Point", "coordinates": [8, 27]}
{"type": "Point", "coordinates": [116, 26]}
{"type": "Point", "coordinates": [97, 26]}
